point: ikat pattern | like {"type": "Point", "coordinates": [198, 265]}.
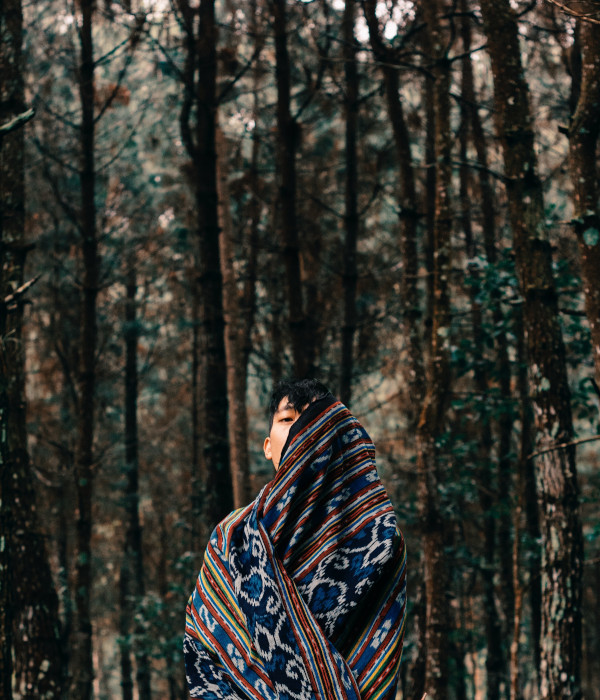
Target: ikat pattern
{"type": "Point", "coordinates": [302, 594]}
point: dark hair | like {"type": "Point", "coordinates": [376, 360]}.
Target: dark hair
{"type": "Point", "coordinates": [298, 391]}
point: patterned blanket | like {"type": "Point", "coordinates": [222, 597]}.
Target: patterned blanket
{"type": "Point", "coordinates": [302, 593]}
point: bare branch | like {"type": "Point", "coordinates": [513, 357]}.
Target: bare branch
{"type": "Point", "coordinates": [585, 16]}
{"type": "Point", "coordinates": [562, 445]}
{"type": "Point", "coordinates": [16, 122]}
{"type": "Point", "coordinates": [13, 298]}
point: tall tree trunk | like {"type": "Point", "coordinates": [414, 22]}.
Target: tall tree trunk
{"type": "Point", "coordinates": [196, 482]}
{"type": "Point", "coordinates": [583, 146]}
{"type": "Point", "coordinates": [500, 509]}
{"type": "Point", "coordinates": [412, 313]}
{"type": "Point", "coordinates": [65, 340]}
{"type": "Point", "coordinates": [430, 190]}
{"type": "Point", "coordinates": [132, 584]}
{"type": "Point", "coordinates": [6, 605]}
{"type": "Point", "coordinates": [29, 622]}
{"type": "Point", "coordinates": [255, 207]}
{"type": "Point", "coordinates": [432, 421]}
{"type": "Point", "coordinates": [526, 510]}
{"type": "Point", "coordinates": [82, 666]}
{"type": "Point", "coordinates": [351, 220]}
{"type": "Point", "coordinates": [494, 662]}
{"type": "Point", "coordinates": [414, 373]}
{"type": "Point", "coordinates": [200, 103]}
{"type": "Point", "coordinates": [11, 93]}
{"type": "Point", "coordinates": [526, 478]}
{"type": "Point", "coordinates": [288, 136]}
{"type": "Point", "coordinates": [218, 492]}
{"type": "Point", "coordinates": [562, 543]}
{"type": "Point", "coordinates": [237, 372]}
{"type": "Point", "coordinates": [239, 289]}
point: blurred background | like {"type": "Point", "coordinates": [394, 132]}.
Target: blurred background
{"type": "Point", "coordinates": [398, 198]}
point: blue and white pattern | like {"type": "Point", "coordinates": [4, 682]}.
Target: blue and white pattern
{"type": "Point", "coordinates": [302, 594]}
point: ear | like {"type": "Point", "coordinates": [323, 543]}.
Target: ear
{"type": "Point", "coordinates": [267, 448]}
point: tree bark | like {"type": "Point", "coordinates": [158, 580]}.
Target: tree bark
{"type": "Point", "coordinates": [237, 372]}
{"type": "Point", "coordinates": [82, 665]}
{"type": "Point", "coordinates": [487, 488]}
{"type": "Point", "coordinates": [132, 583]}
{"type": "Point", "coordinates": [526, 479]}
{"type": "Point", "coordinates": [407, 212]}
{"type": "Point", "coordinates": [196, 481]}
{"type": "Point", "coordinates": [414, 370]}
{"type": "Point", "coordinates": [527, 510]}
{"type": "Point", "coordinates": [199, 137]}
{"type": "Point", "coordinates": [562, 543]}
{"type": "Point", "coordinates": [583, 145]}
{"type": "Point", "coordinates": [30, 649]}
{"type": "Point", "coordinates": [430, 190]}
{"type": "Point", "coordinates": [500, 508]}
{"type": "Point", "coordinates": [351, 220]}
{"type": "Point", "coordinates": [432, 421]}
{"type": "Point", "coordinates": [288, 136]}
{"type": "Point", "coordinates": [6, 604]}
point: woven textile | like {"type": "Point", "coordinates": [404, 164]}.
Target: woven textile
{"type": "Point", "coordinates": [302, 593]}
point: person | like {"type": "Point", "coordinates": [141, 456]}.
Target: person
{"type": "Point", "coordinates": [302, 593]}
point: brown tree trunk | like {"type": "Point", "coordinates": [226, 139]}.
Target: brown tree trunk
{"type": "Point", "coordinates": [494, 662]}
{"type": "Point", "coordinates": [350, 276]}
{"type": "Point", "coordinates": [414, 372]}
{"type": "Point", "coordinates": [412, 314]}
{"type": "Point", "coordinates": [237, 373]}
{"type": "Point", "coordinates": [82, 663]}
{"type": "Point", "coordinates": [430, 190]}
{"type": "Point", "coordinates": [248, 304]}
{"type": "Point", "coordinates": [583, 144]}
{"type": "Point", "coordinates": [432, 421]}
{"type": "Point", "coordinates": [527, 479]}
{"type": "Point", "coordinates": [500, 507]}
{"type": "Point", "coordinates": [288, 135]}
{"type": "Point", "coordinates": [526, 510]}
{"type": "Point", "coordinates": [196, 483]}
{"type": "Point", "coordinates": [200, 83]}
{"type": "Point", "coordinates": [562, 544]}
{"type": "Point", "coordinates": [6, 605]}
{"type": "Point", "coordinates": [29, 622]}
{"type": "Point", "coordinates": [132, 583]}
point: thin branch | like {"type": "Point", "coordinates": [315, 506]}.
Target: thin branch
{"type": "Point", "coordinates": [579, 15]}
{"type": "Point", "coordinates": [102, 59]}
{"type": "Point", "coordinates": [562, 445]}
{"type": "Point", "coordinates": [323, 60]}
{"type": "Point", "coordinates": [132, 39]}
{"type": "Point", "coordinates": [478, 166]}
{"type": "Point", "coordinates": [70, 211]}
{"type": "Point", "coordinates": [133, 130]}
{"type": "Point", "coordinates": [231, 83]}
{"type": "Point", "coordinates": [167, 56]}
{"type": "Point", "coordinates": [16, 122]}
{"type": "Point", "coordinates": [14, 296]}
{"type": "Point", "coordinates": [57, 115]}
{"type": "Point", "coordinates": [374, 194]}
{"type": "Point", "coordinates": [56, 159]}
{"type": "Point", "coordinates": [325, 206]}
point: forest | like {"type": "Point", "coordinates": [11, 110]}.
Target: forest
{"type": "Point", "coordinates": [201, 197]}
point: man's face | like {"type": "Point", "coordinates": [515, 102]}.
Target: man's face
{"type": "Point", "coordinates": [285, 416]}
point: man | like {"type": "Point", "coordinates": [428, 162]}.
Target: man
{"type": "Point", "coordinates": [302, 594]}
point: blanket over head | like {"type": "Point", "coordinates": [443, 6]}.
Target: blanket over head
{"type": "Point", "coordinates": [302, 593]}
